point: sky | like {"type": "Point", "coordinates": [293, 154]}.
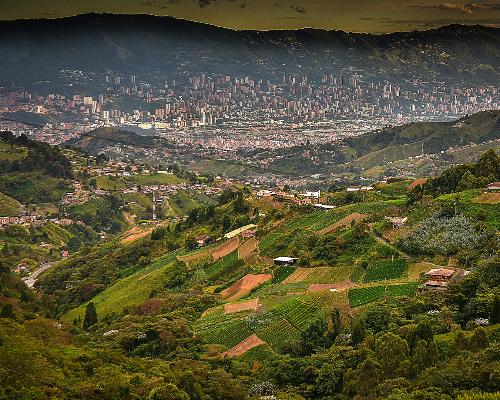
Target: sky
{"type": "Point", "coordinates": [375, 16]}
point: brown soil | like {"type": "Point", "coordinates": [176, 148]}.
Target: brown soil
{"type": "Point", "coordinates": [417, 182]}
{"type": "Point", "coordinates": [241, 348]}
{"type": "Point", "coordinates": [244, 286]}
{"type": "Point", "coordinates": [250, 305]}
{"type": "Point", "coordinates": [319, 287]}
{"type": "Point", "coordinates": [343, 222]}
{"type": "Point", "coordinates": [247, 248]}
{"type": "Point", "coordinates": [225, 248]}
{"type": "Point", "coordinates": [135, 233]}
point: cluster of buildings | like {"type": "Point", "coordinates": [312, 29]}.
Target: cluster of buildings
{"type": "Point", "coordinates": [238, 111]}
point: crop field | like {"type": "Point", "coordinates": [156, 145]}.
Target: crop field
{"type": "Point", "coordinates": [346, 221]}
{"type": "Point", "coordinates": [321, 275]}
{"type": "Point", "coordinates": [277, 332]}
{"type": "Point", "coordinates": [228, 334]}
{"type": "Point", "coordinates": [244, 286]}
{"type": "Point", "coordinates": [298, 313]}
{"type": "Point", "coordinates": [360, 296]}
{"type": "Point", "coordinates": [281, 273]}
{"type": "Point", "coordinates": [226, 267]}
{"type": "Point", "coordinates": [241, 348]}
{"type": "Point", "coordinates": [387, 269]}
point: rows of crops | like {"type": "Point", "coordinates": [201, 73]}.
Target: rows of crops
{"type": "Point", "coordinates": [330, 274]}
{"type": "Point", "coordinates": [387, 269]}
{"type": "Point", "coordinates": [229, 334]}
{"type": "Point", "coordinates": [226, 266]}
{"type": "Point", "coordinates": [360, 296]}
{"type": "Point", "coordinates": [282, 273]}
{"type": "Point", "coordinates": [298, 313]}
{"type": "Point", "coordinates": [278, 333]}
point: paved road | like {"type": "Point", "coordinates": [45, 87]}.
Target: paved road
{"type": "Point", "coordinates": [32, 278]}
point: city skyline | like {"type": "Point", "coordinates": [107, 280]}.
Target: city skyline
{"type": "Point", "coordinates": [359, 16]}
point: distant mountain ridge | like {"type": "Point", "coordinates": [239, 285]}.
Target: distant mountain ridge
{"type": "Point", "coordinates": [36, 50]}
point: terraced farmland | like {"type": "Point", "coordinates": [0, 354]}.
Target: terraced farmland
{"type": "Point", "coordinates": [321, 275]}
{"type": "Point", "coordinates": [360, 296]}
{"type": "Point", "coordinates": [387, 269]}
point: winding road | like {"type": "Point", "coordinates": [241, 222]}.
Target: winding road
{"type": "Point", "coordinates": [33, 277]}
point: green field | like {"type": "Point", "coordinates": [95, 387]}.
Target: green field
{"type": "Point", "coordinates": [155, 179]}
{"type": "Point", "coordinates": [467, 206]}
{"type": "Point", "coordinates": [360, 296]}
{"type": "Point", "coordinates": [110, 182]}
{"type": "Point", "coordinates": [8, 206]}
{"type": "Point", "coordinates": [387, 269]}
{"type": "Point", "coordinates": [8, 153]}
{"type": "Point", "coordinates": [227, 268]}
{"type": "Point", "coordinates": [129, 292]}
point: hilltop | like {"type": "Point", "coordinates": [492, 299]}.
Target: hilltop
{"type": "Point", "coordinates": [162, 45]}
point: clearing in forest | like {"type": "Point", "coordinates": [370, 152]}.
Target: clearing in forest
{"type": "Point", "coordinates": [242, 347]}
{"type": "Point", "coordinates": [244, 286]}
{"type": "Point", "coordinates": [249, 305]}
{"type": "Point", "coordinates": [346, 221]}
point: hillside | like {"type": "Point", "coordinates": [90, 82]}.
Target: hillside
{"type": "Point", "coordinates": [196, 307]}
{"type": "Point", "coordinates": [95, 141]}
{"type": "Point", "coordinates": [400, 142]}
{"type": "Point", "coordinates": [356, 273]}
{"type": "Point", "coordinates": [149, 44]}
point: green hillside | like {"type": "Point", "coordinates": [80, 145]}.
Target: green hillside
{"type": "Point", "coordinates": [8, 206]}
{"type": "Point", "coordinates": [175, 310]}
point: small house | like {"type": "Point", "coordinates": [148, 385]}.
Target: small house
{"type": "Point", "coordinates": [285, 261]}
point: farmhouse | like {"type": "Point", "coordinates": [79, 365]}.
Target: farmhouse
{"type": "Point", "coordinates": [285, 261]}
{"type": "Point", "coordinates": [441, 277]}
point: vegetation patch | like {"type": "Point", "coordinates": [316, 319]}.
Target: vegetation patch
{"type": "Point", "coordinates": [384, 270]}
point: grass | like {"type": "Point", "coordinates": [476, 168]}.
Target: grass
{"type": "Point", "coordinates": [109, 183]}
{"type": "Point", "coordinates": [8, 153]}
{"type": "Point", "coordinates": [182, 202]}
{"type": "Point", "coordinates": [8, 206]}
{"type": "Point", "coordinates": [129, 292]}
{"type": "Point", "coordinates": [155, 179]}
{"type": "Point", "coordinates": [387, 269]}
{"type": "Point", "coordinates": [33, 187]}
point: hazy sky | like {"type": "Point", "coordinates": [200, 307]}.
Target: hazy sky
{"type": "Point", "coordinates": [349, 15]}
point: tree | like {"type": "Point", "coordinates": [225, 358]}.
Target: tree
{"type": "Point", "coordinates": [8, 311]}
{"type": "Point", "coordinates": [368, 377]}
{"type": "Point", "coordinates": [168, 392]}
{"type": "Point", "coordinates": [391, 351]}
{"type": "Point", "coordinates": [90, 316]}
{"type": "Point", "coordinates": [495, 311]}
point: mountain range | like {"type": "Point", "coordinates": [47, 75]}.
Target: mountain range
{"type": "Point", "coordinates": [37, 50]}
